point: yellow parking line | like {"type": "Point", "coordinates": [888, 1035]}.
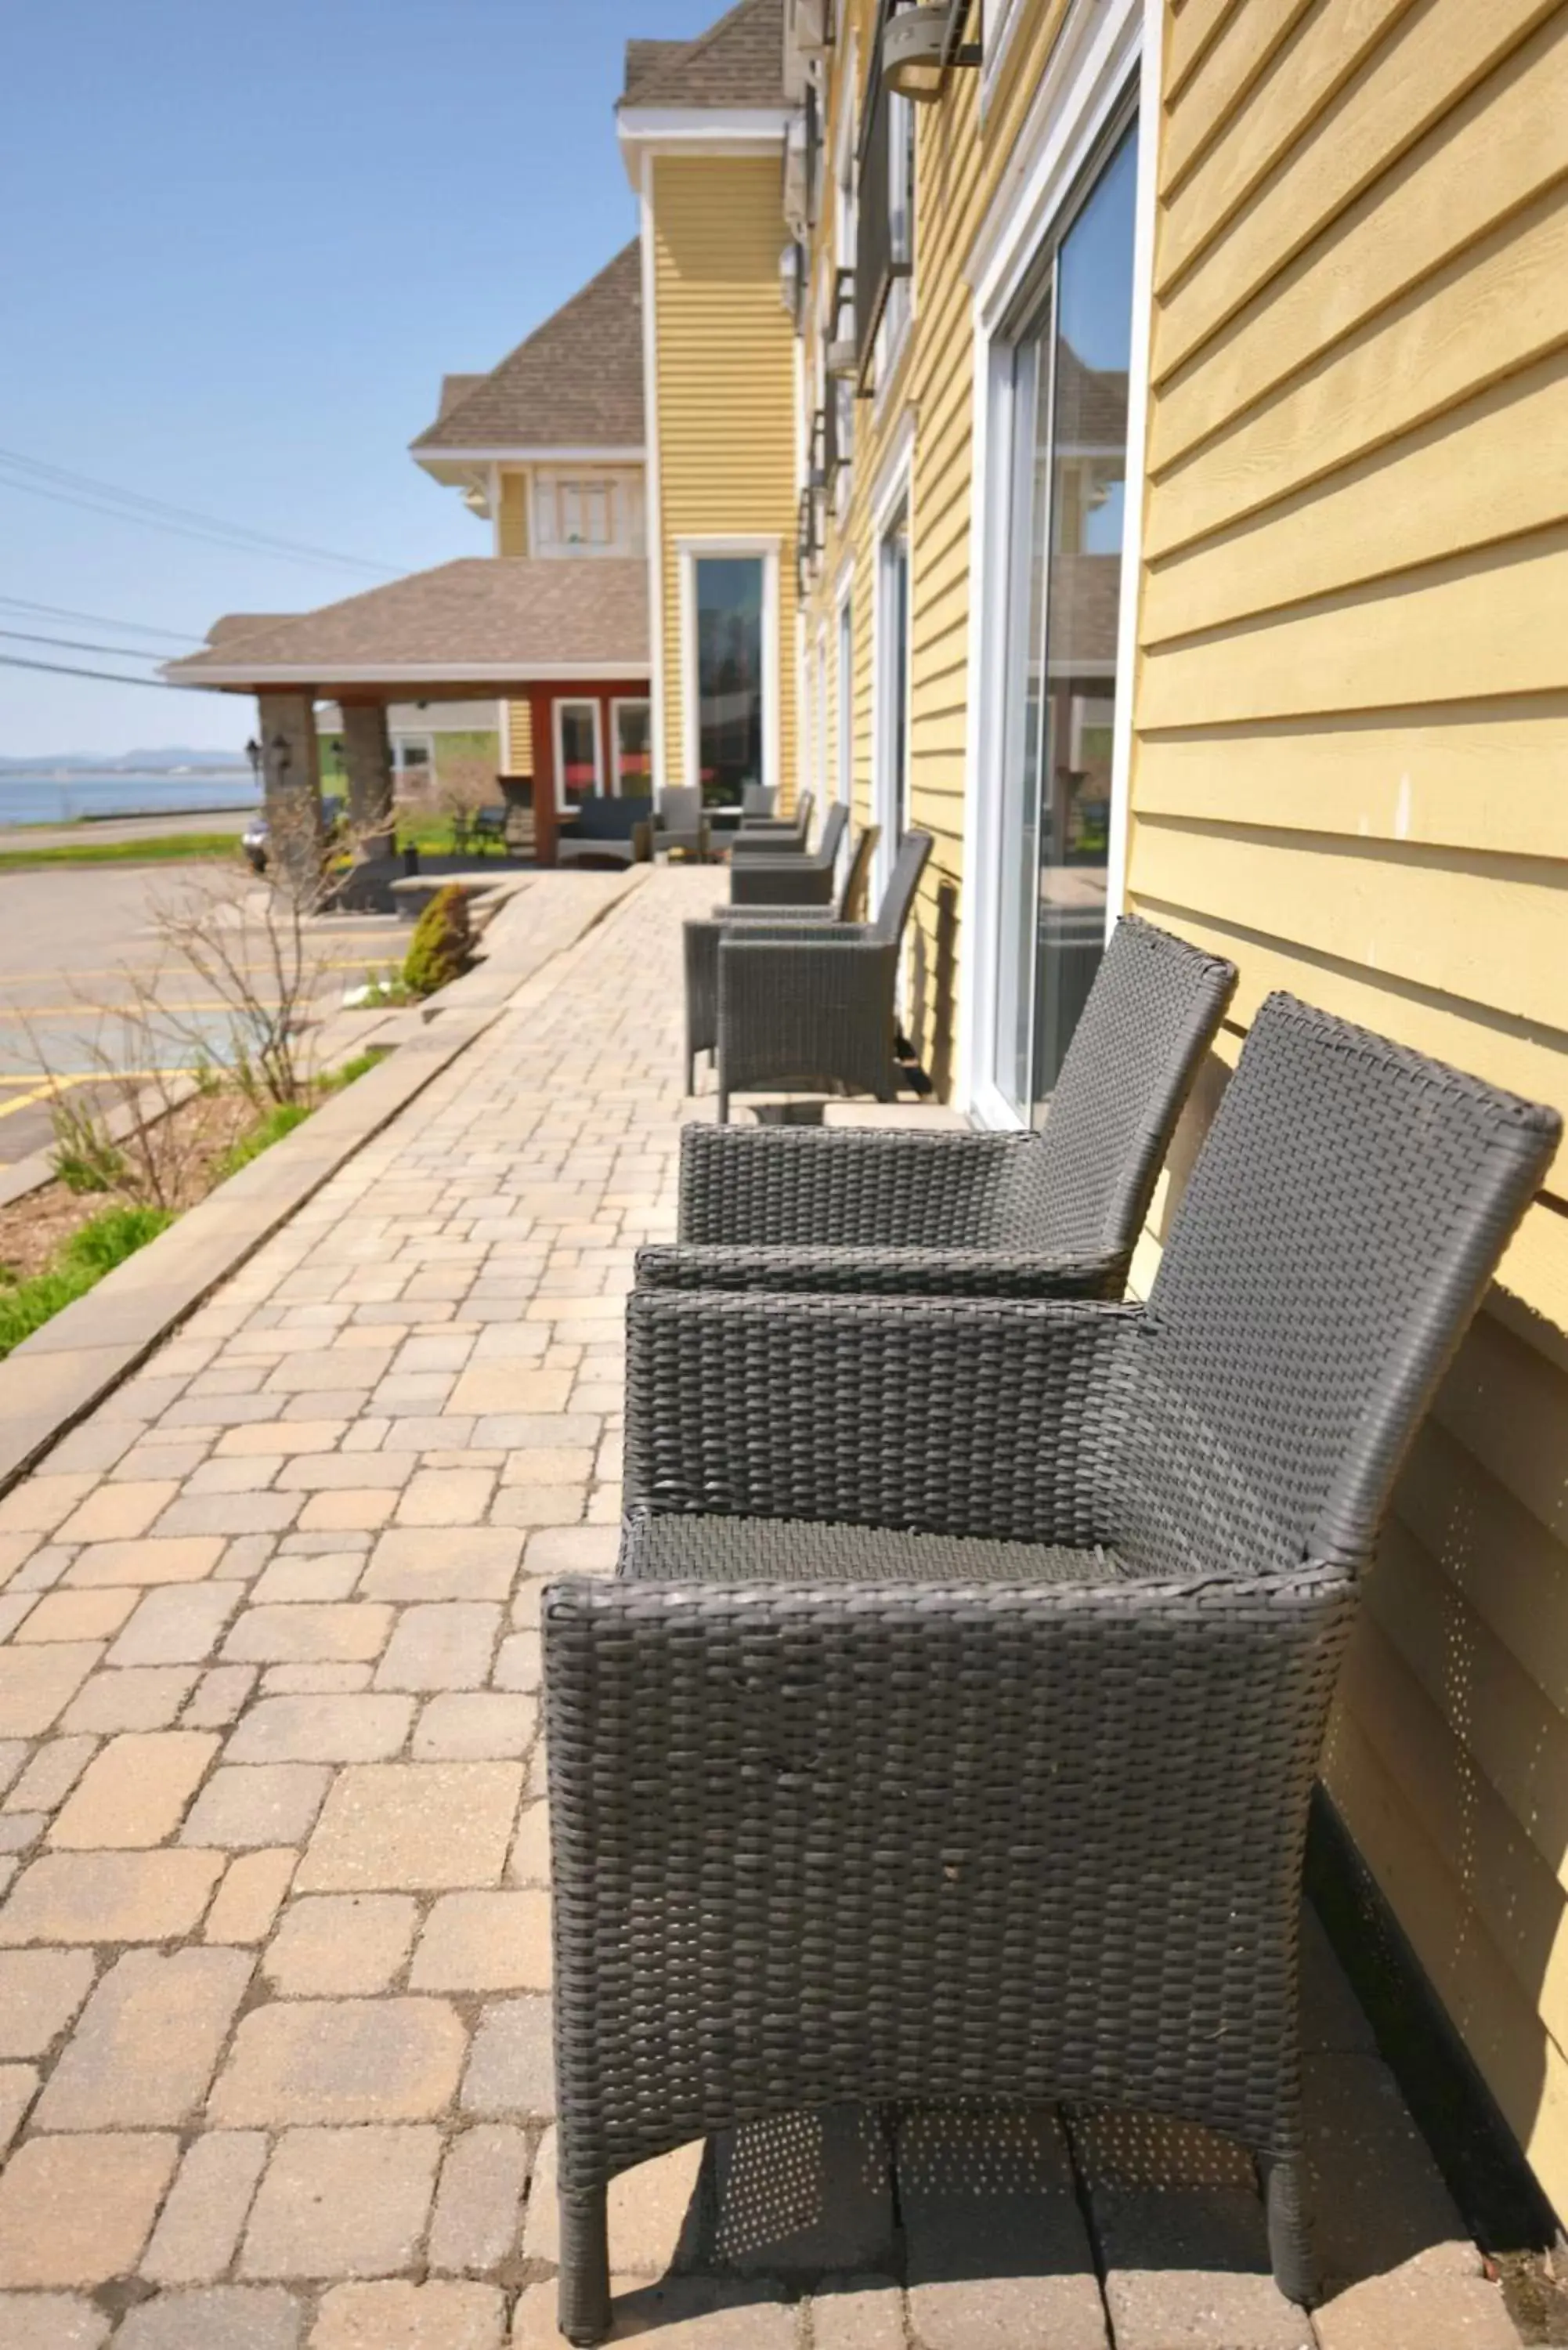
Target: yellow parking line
{"type": "Point", "coordinates": [79, 1078]}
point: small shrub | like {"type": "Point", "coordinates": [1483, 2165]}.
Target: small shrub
{"type": "Point", "coordinates": [83, 1157]}
{"type": "Point", "coordinates": [442, 945]}
{"type": "Point", "coordinates": [91, 1252]}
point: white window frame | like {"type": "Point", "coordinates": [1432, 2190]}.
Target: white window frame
{"type": "Point", "coordinates": [577, 702]}
{"type": "Point", "coordinates": [1103, 47]}
{"type": "Point", "coordinates": [619, 701]}
{"type": "Point", "coordinates": [690, 552]}
{"type": "Point", "coordinates": [844, 705]}
{"type": "Point", "coordinates": [899, 310]}
{"type": "Point", "coordinates": [894, 497]}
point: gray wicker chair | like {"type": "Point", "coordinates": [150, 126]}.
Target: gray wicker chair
{"type": "Point", "coordinates": [1053, 1214]}
{"type": "Point", "coordinates": [758, 802]}
{"type": "Point", "coordinates": [701, 943]}
{"type": "Point", "coordinates": [812, 1003]}
{"type": "Point", "coordinates": [948, 1731]}
{"type": "Point", "coordinates": [678, 822]}
{"type": "Point", "coordinates": [803, 880]}
{"type": "Point", "coordinates": [776, 836]}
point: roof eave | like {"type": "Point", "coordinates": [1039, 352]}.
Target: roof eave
{"type": "Point", "coordinates": [324, 675]}
{"type": "Point", "coordinates": [531, 452]}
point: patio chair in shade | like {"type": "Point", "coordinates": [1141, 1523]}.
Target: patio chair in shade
{"type": "Point", "coordinates": [779, 881]}
{"type": "Point", "coordinates": [702, 945]}
{"type": "Point", "coordinates": [812, 1004]}
{"type": "Point", "coordinates": [678, 822]}
{"type": "Point", "coordinates": [948, 1731]}
{"type": "Point", "coordinates": [757, 801]}
{"type": "Point", "coordinates": [1053, 1214]}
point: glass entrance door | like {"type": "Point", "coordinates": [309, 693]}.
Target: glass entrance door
{"type": "Point", "coordinates": [1068, 407]}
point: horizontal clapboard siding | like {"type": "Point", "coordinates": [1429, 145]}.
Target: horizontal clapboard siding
{"type": "Point", "coordinates": [725, 366]}
{"type": "Point", "coordinates": [1350, 745]}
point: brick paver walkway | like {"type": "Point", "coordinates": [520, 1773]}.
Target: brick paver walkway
{"type": "Point", "coordinates": [274, 1940]}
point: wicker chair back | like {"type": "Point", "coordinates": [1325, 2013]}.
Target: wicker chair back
{"type": "Point", "coordinates": [899, 895]}
{"type": "Point", "coordinates": [858, 879]}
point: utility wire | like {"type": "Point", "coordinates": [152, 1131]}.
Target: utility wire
{"type": "Point", "coordinates": [98, 621]}
{"type": "Point", "coordinates": [79, 645]}
{"type": "Point", "coordinates": [108, 676]}
{"type": "Point", "coordinates": [83, 490]}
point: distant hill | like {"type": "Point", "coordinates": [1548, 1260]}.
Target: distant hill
{"type": "Point", "coordinates": [139, 763]}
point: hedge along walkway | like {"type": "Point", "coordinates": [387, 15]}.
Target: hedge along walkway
{"type": "Point", "coordinates": [274, 1948]}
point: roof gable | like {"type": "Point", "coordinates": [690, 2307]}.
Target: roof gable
{"type": "Point", "coordinates": [575, 382]}
{"type": "Point", "coordinates": [738, 62]}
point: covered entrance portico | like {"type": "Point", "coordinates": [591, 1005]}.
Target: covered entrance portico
{"type": "Point", "coordinates": [564, 637]}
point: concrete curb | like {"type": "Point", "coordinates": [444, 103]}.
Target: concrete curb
{"type": "Point", "coordinates": [58, 1374]}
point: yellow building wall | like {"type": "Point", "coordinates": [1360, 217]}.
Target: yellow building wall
{"type": "Point", "coordinates": [512, 539]}
{"type": "Point", "coordinates": [1351, 774]}
{"type": "Point", "coordinates": [725, 397]}
{"type": "Point", "coordinates": [958, 164]}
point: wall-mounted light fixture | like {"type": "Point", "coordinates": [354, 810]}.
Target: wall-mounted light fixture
{"type": "Point", "coordinates": [918, 45]}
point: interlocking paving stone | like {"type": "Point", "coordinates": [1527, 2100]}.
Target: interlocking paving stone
{"type": "Point", "coordinates": [801, 2194]}
{"type": "Point", "coordinates": [186, 1558]}
{"type": "Point", "coordinates": [200, 2224]}
{"type": "Point", "coordinates": [75, 2212]}
{"type": "Point", "coordinates": [74, 1616]}
{"type": "Point", "coordinates": [40, 1992]}
{"type": "Point", "coordinates": [475, 1725]}
{"type": "Point", "coordinates": [438, 1563]}
{"type": "Point", "coordinates": [677, 2314]}
{"type": "Point", "coordinates": [145, 2050]}
{"type": "Point", "coordinates": [37, 1684]}
{"type": "Point", "coordinates": [256, 1803]}
{"type": "Point", "coordinates": [322, 1730]}
{"type": "Point", "coordinates": [857, 2312]}
{"type": "Point", "coordinates": [51, 1775]}
{"type": "Point", "coordinates": [18, 2086]}
{"type": "Point", "coordinates": [346, 1634]}
{"type": "Point", "coordinates": [143, 1697]}
{"type": "Point", "coordinates": [341, 1943]}
{"type": "Point", "coordinates": [110, 1897]}
{"type": "Point", "coordinates": [135, 1790]}
{"type": "Point", "coordinates": [482, 2182]}
{"type": "Point", "coordinates": [179, 1625]}
{"type": "Point", "coordinates": [400, 2316]}
{"type": "Point", "coordinates": [251, 1895]}
{"type": "Point", "coordinates": [443, 1646]}
{"type": "Point", "coordinates": [220, 2318]}
{"type": "Point", "coordinates": [414, 1827]}
{"type": "Point", "coordinates": [511, 2067]}
{"type": "Point", "coordinates": [50, 2321]}
{"type": "Point", "coordinates": [342, 2203]}
{"type": "Point", "coordinates": [484, 1942]}
{"type": "Point", "coordinates": [655, 2213]}
{"type": "Point", "coordinates": [343, 2060]}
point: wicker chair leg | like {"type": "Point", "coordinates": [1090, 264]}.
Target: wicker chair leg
{"type": "Point", "coordinates": [1290, 2247]}
{"type": "Point", "coordinates": [583, 2307]}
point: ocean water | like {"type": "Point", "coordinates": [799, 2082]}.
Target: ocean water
{"type": "Point", "coordinates": [43, 798]}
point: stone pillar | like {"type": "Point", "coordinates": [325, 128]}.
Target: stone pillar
{"type": "Point", "coordinates": [291, 765]}
{"type": "Point", "coordinates": [544, 823]}
{"type": "Point", "coordinates": [368, 755]}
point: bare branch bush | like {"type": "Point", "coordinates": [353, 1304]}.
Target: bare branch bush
{"type": "Point", "coordinates": [113, 1123]}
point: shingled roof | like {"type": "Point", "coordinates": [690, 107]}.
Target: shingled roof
{"type": "Point", "coordinates": [738, 62]}
{"type": "Point", "coordinates": [575, 383]}
{"type": "Point", "coordinates": [488, 619]}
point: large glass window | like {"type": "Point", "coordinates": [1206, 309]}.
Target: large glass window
{"type": "Point", "coordinates": [730, 685]}
{"type": "Point", "coordinates": [633, 748]}
{"type": "Point", "coordinates": [577, 751]}
{"type": "Point", "coordinates": [1068, 403]}
{"type": "Point", "coordinates": [893, 691]}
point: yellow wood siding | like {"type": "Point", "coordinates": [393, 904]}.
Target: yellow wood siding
{"type": "Point", "coordinates": [519, 738]}
{"type": "Point", "coordinates": [959, 163]}
{"type": "Point", "coordinates": [725, 393]}
{"type": "Point", "coordinates": [512, 522]}
{"type": "Point", "coordinates": [1351, 734]}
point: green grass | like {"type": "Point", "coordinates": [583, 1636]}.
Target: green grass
{"type": "Point", "coordinates": [360, 1065]}
{"type": "Point", "coordinates": [280, 1121]}
{"type": "Point", "coordinates": [170, 847]}
{"type": "Point", "coordinates": [91, 1252]}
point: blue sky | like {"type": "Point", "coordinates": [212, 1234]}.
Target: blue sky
{"type": "Point", "coordinates": [244, 244]}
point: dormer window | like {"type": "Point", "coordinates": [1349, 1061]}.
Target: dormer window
{"type": "Point", "coordinates": [576, 512]}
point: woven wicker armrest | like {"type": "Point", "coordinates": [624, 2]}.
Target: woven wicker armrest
{"type": "Point", "coordinates": [818, 1187]}
{"type": "Point", "coordinates": [785, 842]}
{"type": "Point", "coordinates": [992, 1418]}
{"type": "Point", "coordinates": [892, 1271]}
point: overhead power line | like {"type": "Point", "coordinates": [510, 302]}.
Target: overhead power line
{"type": "Point", "coordinates": [108, 676]}
{"type": "Point", "coordinates": [66, 488]}
{"type": "Point", "coordinates": [79, 645]}
{"type": "Point", "coordinates": [100, 620]}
